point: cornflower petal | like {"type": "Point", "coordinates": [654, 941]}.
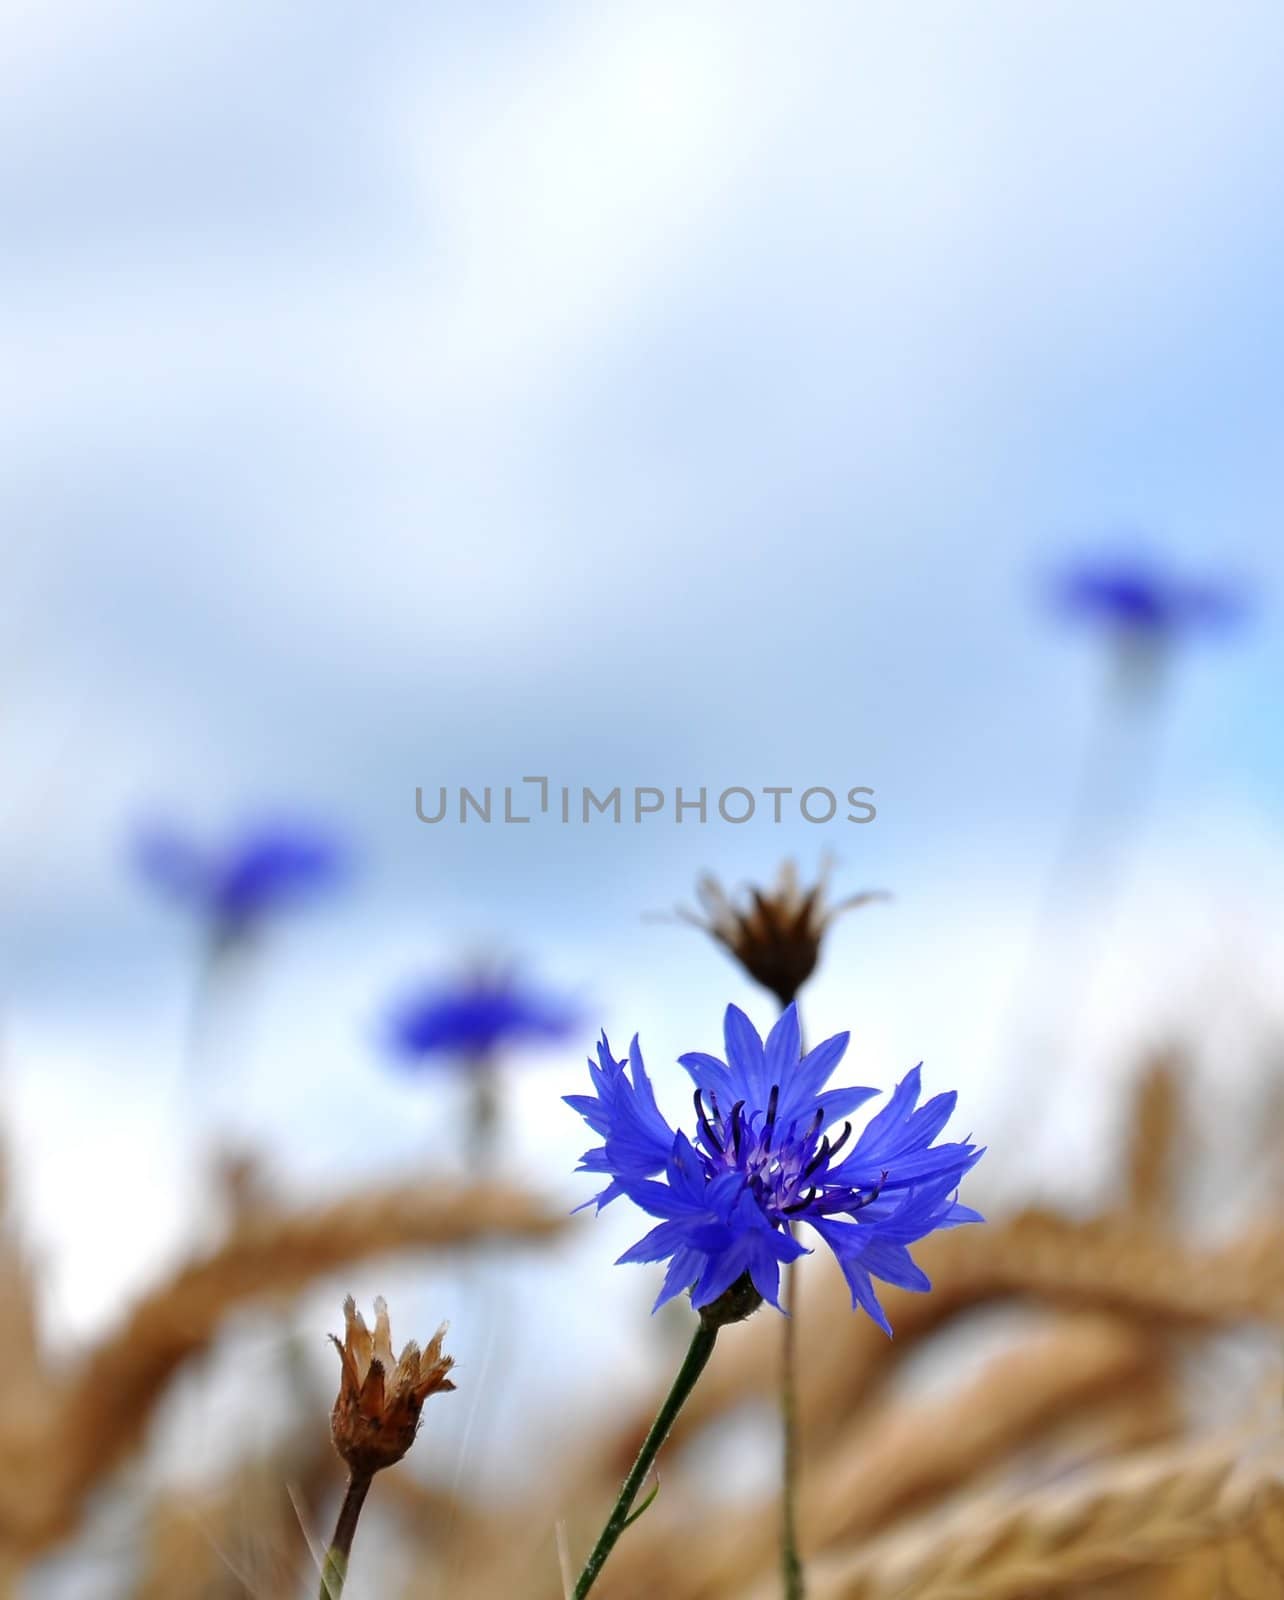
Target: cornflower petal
{"type": "Point", "coordinates": [746, 1062]}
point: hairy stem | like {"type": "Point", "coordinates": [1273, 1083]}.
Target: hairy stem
{"type": "Point", "coordinates": [692, 1366]}
{"type": "Point", "coordinates": [334, 1569]}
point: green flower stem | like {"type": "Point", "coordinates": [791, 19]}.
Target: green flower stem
{"type": "Point", "coordinates": [692, 1366]}
{"type": "Point", "coordinates": [334, 1569]}
{"type": "Point", "coordinates": [790, 1561]}
{"type": "Point", "coordinates": [483, 1119]}
{"type": "Point", "coordinates": [791, 1567]}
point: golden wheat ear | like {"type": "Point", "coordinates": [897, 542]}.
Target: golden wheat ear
{"type": "Point", "coordinates": [95, 1414]}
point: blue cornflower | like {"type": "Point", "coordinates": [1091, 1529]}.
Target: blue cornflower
{"type": "Point", "coordinates": [238, 885]}
{"type": "Point", "coordinates": [474, 1017]}
{"type": "Point", "coordinates": [762, 1159]}
{"type": "Point", "coordinates": [1142, 602]}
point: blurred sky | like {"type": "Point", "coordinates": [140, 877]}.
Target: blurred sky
{"type": "Point", "coordinates": [633, 394]}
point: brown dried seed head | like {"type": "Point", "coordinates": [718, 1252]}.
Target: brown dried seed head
{"type": "Point", "coordinates": [776, 937]}
{"type": "Point", "coordinates": [376, 1413]}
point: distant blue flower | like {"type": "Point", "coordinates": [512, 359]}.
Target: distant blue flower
{"type": "Point", "coordinates": [1141, 601]}
{"type": "Point", "coordinates": [475, 1017]}
{"type": "Point", "coordinates": [761, 1160]}
{"type": "Point", "coordinates": [237, 886]}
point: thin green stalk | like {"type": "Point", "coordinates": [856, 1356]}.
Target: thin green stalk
{"type": "Point", "coordinates": [483, 1120]}
{"type": "Point", "coordinates": [790, 1561]}
{"type": "Point", "coordinates": [693, 1365]}
{"type": "Point", "coordinates": [791, 1567]}
{"type": "Point", "coordinates": [334, 1569]}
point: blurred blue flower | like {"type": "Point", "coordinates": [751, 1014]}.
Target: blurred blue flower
{"type": "Point", "coordinates": [475, 1017]}
{"type": "Point", "coordinates": [1139, 600]}
{"type": "Point", "coordinates": [761, 1161]}
{"type": "Point", "coordinates": [236, 887]}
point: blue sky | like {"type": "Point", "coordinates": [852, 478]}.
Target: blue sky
{"type": "Point", "coordinates": [638, 395]}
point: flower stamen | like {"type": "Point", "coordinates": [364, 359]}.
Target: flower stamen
{"type": "Point", "coordinates": [841, 1140]}
{"type": "Point", "coordinates": [736, 1126]}
{"type": "Point", "coordinates": [818, 1160]}
{"type": "Point", "coordinates": [773, 1103]}
{"type": "Point", "coordinates": [800, 1205]}
{"type": "Point", "coordinates": [706, 1127]}
{"type": "Point", "coordinates": [868, 1199]}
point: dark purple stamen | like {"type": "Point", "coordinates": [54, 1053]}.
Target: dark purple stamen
{"type": "Point", "coordinates": [868, 1199]}
{"type": "Point", "coordinates": [800, 1205]}
{"type": "Point", "coordinates": [773, 1102]}
{"type": "Point", "coordinates": [841, 1140]}
{"type": "Point", "coordinates": [736, 1126]}
{"type": "Point", "coordinates": [705, 1127]}
{"type": "Point", "coordinates": [819, 1159]}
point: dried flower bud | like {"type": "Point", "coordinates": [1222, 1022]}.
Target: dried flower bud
{"type": "Point", "coordinates": [376, 1414]}
{"type": "Point", "coordinates": [777, 936]}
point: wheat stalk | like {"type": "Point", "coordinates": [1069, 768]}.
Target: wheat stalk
{"type": "Point", "coordinates": [1111, 1264]}
{"type": "Point", "coordinates": [1108, 1263]}
{"type": "Point", "coordinates": [1129, 1517]}
{"type": "Point", "coordinates": [1246, 1564]}
{"type": "Point", "coordinates": [242, 1537]}
{"type": "Point", "coordinates": [1152, 1140]}
{"type": "Point", "coordinates": [903, 1457]}
{"type": "Point", "coordinates": [94, 1416]}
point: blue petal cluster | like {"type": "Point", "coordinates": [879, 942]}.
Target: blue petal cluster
{"type": "Point", "coordinates": [236, 886]}
{"type": "Point", "coordinates": [1143, 601]}
{"type": "Point", "coordinates": [763, 1158]}
{"type": "Point", "coordinates": [474, 1017]}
